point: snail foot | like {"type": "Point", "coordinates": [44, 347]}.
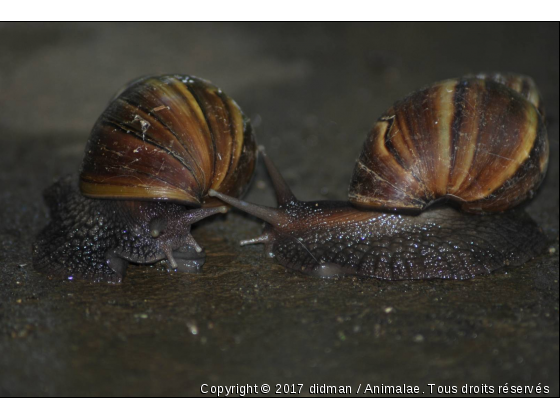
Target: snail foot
{"type": "Point", "coordinates": [327, 271]}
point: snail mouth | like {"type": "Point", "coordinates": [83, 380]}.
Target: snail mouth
{"type": "Point", "coordinates": [187, 259]}
{"type": "Point", "coordinates": [174, 259]}
{"type": "Point", "coordinates": [188, 249]}
{"type": "Point", "coordinates": [189, 265]}
{"type": "Point", "coordinates": [140, 258]}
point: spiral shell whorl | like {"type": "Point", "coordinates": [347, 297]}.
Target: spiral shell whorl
{"type": "Point", "coordinates": [470, 140]}
{"type": "Point", "coordinates": [170, 137]}
{"type": "Point", "coordinates": [523, 85]}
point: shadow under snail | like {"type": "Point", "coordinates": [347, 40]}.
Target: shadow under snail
{"type": "Point", "coordinates": [477, 144]}
{"type": "Point", "coordinates": [150, 160]}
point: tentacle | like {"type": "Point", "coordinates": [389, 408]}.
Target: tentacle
{"type": "Point", "coordinates": [268, 214]}
{"type": "Point", "coordinates": [263, 239]}
{"type": "Point", "coordinates": [189, 240]}
{"type": "Point", "coordinates": [169, 255]}
{"type": "Point", "coordinates": [283, 193]}
{"type": "Point", "coordinates": [193, 216]}
{"type": "Point", "coordinates": [266, 238]}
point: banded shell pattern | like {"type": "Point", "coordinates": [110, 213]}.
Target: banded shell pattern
{"type": "Point", "coordinates": [479, 141]}
{"type": "Point", "coordinates": [170, 137]}
{"type": "Point", "coordinates": [523, 85]}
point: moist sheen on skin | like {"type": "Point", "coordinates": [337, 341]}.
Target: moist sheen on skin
{"type": "Point", "coordinates": [438, 243]}
{"type": "Point", "coordinates": [94, 239]}
{"type": "Point", "coordinates": [149, 161]}
{"type": "Point", "coordinates": [334, 238]}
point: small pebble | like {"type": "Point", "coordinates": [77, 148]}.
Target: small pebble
{"type": "Point", "coordinates": [191, 325]}
{"type": "Point", "coordinates": [389, 309]}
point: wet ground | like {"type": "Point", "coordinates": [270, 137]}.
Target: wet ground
{"type": "Point", "coordinates": [312, 92]}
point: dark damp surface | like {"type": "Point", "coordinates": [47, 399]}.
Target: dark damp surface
{"type": "Point", "coordinates": [312, 91]}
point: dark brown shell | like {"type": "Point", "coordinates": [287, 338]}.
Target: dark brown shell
{"type": "Point", "coordinates": [472, 140]}
{"type": "Point", "coordinates": [170, 137]}
{"type": "Point", "coordinates": [524, 85]}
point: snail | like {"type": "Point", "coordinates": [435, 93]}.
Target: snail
{"type": "Point", "coordinates": [432, 193]}
{"type": "Point", "coordinates": [149, 162]}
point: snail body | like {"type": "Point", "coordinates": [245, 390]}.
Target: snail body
{"type": "Point", "coordinates": [474, 143]}
{"type": "Point", "coordinates": [150, 160]}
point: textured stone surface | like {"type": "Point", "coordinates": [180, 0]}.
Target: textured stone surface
{"type": "Point", "coordinates": [312, 92]}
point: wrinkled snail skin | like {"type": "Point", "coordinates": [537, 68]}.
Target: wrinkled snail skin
{"type": "Point", "coordinates": [96, 239]}
{"type": "Point", "coordinates": [407, 233]}
{"type": "Point", "coordinates": [333, 239]}
{"type": "Point", "coordinates": [151, 157]}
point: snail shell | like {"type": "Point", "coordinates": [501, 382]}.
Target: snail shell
{"type": "Point", "coordinates": [152, 156]}
{"type": "Point", "coordinates": [472, 140]}
{"type": "Point", "coordinates": [479, 141]}
{"type": "Point", "coordinates": [170, 137]}
{"type": "Point", "coordinates": [523, 85]}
